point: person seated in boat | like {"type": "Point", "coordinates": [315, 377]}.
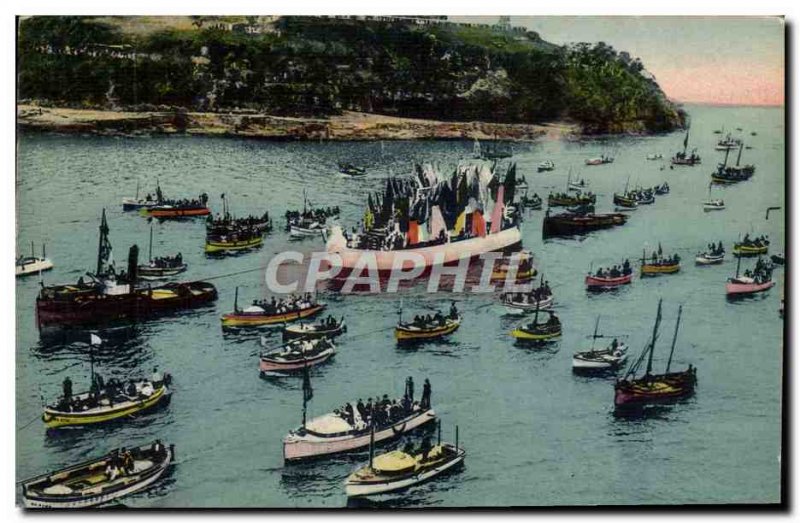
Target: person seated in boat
{"type": "Point", "coordinates": [424, 448]}
{"type": "Point", "coordinates": [438, 318]}
{"type": "Point", "coordinates": [552, 320]}
{"type": "Point", "coordinates": [157, 379]}
{"type": "Point", "coordinates": [614, 272]}
{"type": "Point", "coordinates": [361, 409]}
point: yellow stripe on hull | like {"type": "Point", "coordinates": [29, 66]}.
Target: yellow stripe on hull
{"type": "Point", "coordinates": [521, 276]}
{"type": "Point", "coordinates": [255, 320]}
{"type": "Point", "coordinates": [750, 251]}
{"type": "Point", "coordinates": [73, 419]}
{"type": "Point", "coordinates": [405, 335]}
{"type": "Point", "coordinates": [212, 247]}
{"type": "Point", "coordinates": [660, 269]}
{"type": "Point", "coordinates": [525, 335]}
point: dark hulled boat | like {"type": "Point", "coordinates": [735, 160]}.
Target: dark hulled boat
{"type": "Point", "coordinates": [109, 296]}
{"type": "Point", "coordinates": [682, 158]}
{"type": "Point", "coordinates": [655, 388]}
{"type": "Point", "coordinates": [569, 224]}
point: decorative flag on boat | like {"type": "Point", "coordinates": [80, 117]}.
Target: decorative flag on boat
{"type": "Point", "coordinates": [95, 339]}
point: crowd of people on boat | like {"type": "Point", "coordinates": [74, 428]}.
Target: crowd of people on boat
{"type": "Point", "coordinates": [229, 222]}
{"type": "Point", "coordinates": [167, 262]}
{"type": "Point", "coordinates": [383, 411]}
{"type": "Point", "coordinates": [182, 203]}
{"type": "Point", "coordinates": [715, 250]}
{"type": "Point", "coordinates": [290, 303]}
{"type": "Point", "coordinates": [430, 321]}
{"type": "Point", "coordinates": [301, 349]}
{"type": "Point", "coordinates": [759, 241]}
{"type": "Point", "coordinates": [615, 271]}
{"type": "Point", "coordinates": [532, 297]}
{"type": "Point", "coordinates": [762, 272]}
{"type": "Point", "coordinates": [658, 259]}
{"type": "Point", "coordinates": [570, 199]}
{"type": "Point", "coordinates": [108, 393]}
{"type": "Point", "coordinates": [307, 216]}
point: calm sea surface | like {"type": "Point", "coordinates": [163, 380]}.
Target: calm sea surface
{"type": "Point", "coordinates": [535, 433]}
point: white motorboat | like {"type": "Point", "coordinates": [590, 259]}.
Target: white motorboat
{"type": "Point", "coordinates": [32, 264]}
{"type": "Point", "coordinates": [610, 358]}
{"type": "Point", "coordinates": [707, 258]}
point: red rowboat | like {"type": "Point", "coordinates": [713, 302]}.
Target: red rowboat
{"type": "Point", "coordinates": [593, 282]}
{"type": "Point", "coordinates": [743, 285]}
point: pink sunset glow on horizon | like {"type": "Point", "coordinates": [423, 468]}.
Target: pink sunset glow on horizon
{"type": "Point", "coordinates": [754, 85]}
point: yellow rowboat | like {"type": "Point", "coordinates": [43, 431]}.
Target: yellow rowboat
{"type": "Point", "coordinates": [749, 250]}
{"type": "Point", "coordinates": [650, 270]}
{"type": "Point", "coordinates": [522, 275]}
{"type": "Point", "coordinates": [521, 333]}
{"type": "Point", "coordinates": [258, 317]}
{"type": "Point", "coordinates": [104, 411]}
{"type": "Point", "coordinates": [407, 332]}
{"type": "Point", "coordinates": [218, 246]}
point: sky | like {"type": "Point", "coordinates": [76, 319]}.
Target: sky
{"type": "Point", "coordinates": [721, 60]}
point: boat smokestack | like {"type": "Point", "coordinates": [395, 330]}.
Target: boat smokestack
{"type": "Point", "coordinates": [133, 259]}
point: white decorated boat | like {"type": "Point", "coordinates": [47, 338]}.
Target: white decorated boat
{"type": "Point", "coordinates": [443, 253]}
{"type": "Point", "coordinates": [517, 307]}
{"type": "Point", "coordinates": [32, 264]}
{"type": "Point", "coordinates": [707, 258]}
{"type": "Point", "coordinates": [606, 359]}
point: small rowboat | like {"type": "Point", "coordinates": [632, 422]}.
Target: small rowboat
{"type": "Point", "coordinates": [599, 161]}
{"type": "Point", "coordinates": [706, 258]}
{"type": "Point", "coordinates": [296, 355]}
{"type": "Point", "coordinates": [645, 198]}
{"type": "Point", "coordinates": [536, 331]}
{"type": "Point", "coordinates": [409, 333]}
{"type": "Point", "coordinates": [625, 202]}
{"type": "Point", "coordinates": [525, 268]}
{"type": "Point", "coordinates": [298, 233]}
{"type": "Point", "coordinates": [350, 170]}
{"type": "Point", "coordinates": [219, 246]}
{"type": "Point", "coordinates": [661, 189]}
{"type": "Point", "coordinates": [97, 481]}
{"type": "Point", "coordinates": [600, 360]}
{"type": "Point", "coordinates": [171, 211]}
{"type": "Point", "coordinates": [650, 269]}
{"type": "Point", "coordinates": [744, 285]}
{"type": "Point", "coordinates": [147, 396]}
{"type": "Point", "coordinates": [546, 165]}
{"type": "Point", "coordinates": [255, 316]}
{"type": "Point", "coordinates": [600, 283]}
{"type": "Point", "coordinates": [577, 186]}
{"type": "Point", "coordinates": [524, 307]}
{"type": "Point", "coordinates": [151, 272]}
{"type": "Point", "coordinates": [315, 331]}
{"type": "Point", "coordinates": [396, 471]}
{"type": "Point", "coordinates": [740, 249]}
{"type": "Point", "coordinates": [713, 205]}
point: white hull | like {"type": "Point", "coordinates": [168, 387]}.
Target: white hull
{"type": "Point", "coordinates": [101, 499]}
{"type": "Point", "coordinates": [302, 232]}
{"type": "Point", "coordinates": [296, 447]}
{"type": "Point", "coordinates": [354, 490]}
{"type": "Point", "coordinates": [701, 260]}
{"type": "Point", "coordinates": [34, 268]}
{"type": "Point", "coordinates": [445, 253]}
{"type": "Point", "coordinates": [528, 308]}
{"type": "Point", "coordinates": [578, 363]}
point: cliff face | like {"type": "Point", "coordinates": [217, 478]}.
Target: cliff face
{"type": "Point", "coordinates": [319, 67]}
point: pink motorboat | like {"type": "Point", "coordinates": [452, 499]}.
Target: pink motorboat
{"type": "Point", "coordinates": [441, 254]}
{"type": "Point", "coordinates": [744, 285]}
{"type": "Point", "coordinates": [596, 283]}
{"type": "Point", "coordinates": [296, 355]}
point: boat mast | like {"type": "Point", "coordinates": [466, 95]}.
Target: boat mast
{"type": "Point", "coordinates": [653, 341]}
{"type": "Point", "coordinates": [151, 242]}
{"type": "Point", "coordinates": [236, 300]}
{"type": "Point", "coordinates": [738, 265]}
{"type": "Point", "coordinates": [686, 142]}
{"type": "Point", "coordinates": [739, 157]}
{"type": "Point", "coordinates": [727, 152]}
{"type": "Point", "coordinates": [371, 444]}
{"type": "Point", "coordinates": [102, 246]}
{"type": "Point", "coordinates": [308, 393]}
{"type": "Point", "coordinates": [674, 337]}
{"type": "Point", "coordinates": [32, 253]}
{"type": "Point", "coordinates": [594, 336]}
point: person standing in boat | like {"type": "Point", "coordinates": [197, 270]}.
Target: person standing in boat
{"type": "Point", "coordinates": [425, 402]}
{"type": "Point", "coordinates": [67, 386]}
{"type": "Point", "coordinates": [410, 389]}
{"type": "Point", "coordinates": [453, 315]}
{"type": "Point", "coordinates": [157, 378]}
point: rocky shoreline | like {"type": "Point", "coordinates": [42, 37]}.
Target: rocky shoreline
{"type": "Point", "coordinates": [346, 127]}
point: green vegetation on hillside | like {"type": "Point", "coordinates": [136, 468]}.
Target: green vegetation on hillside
{"type": "Point", "coordinates": [318, 66]}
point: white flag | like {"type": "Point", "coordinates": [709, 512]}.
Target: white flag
{"type": "Point", "coordinates": [96, 340]}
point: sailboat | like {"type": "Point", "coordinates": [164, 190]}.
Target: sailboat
{"type": "Point", "coordinates": [160, 268]}
{"type": "Point", "coordinates": [610, 358]}
{"type": "Point", "coordinates": [535, 331]}
{"type": "Point", "coordinates": [733, 173]}
{"type": "Point", "coordinates": [33, 264]}
{"type": "Point", "coordinates": [681, 158]}
{"type": "Point", "coordinates": [625, 201]}
{"type": "Point", "coordinates": [716, 204]}
{"type": "Point", "coordinates": [655, 388]}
